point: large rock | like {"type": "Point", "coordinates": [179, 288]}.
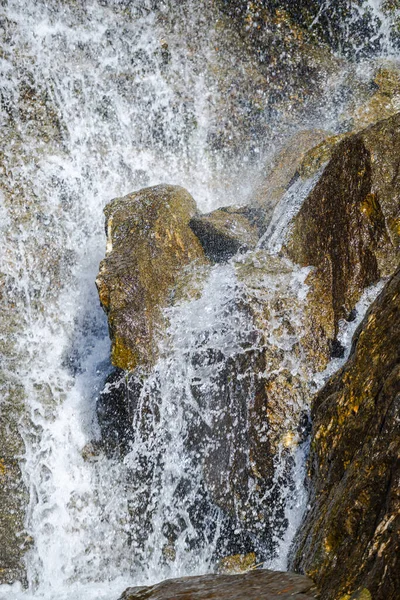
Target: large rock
{"type": "Point", "coordinates": [149, 242]}
{"type": "Point", "coordinates": [348, 228]}
{"type": "Point", "coordinates": [305, 152]}
{"type": "Point", "coordinates": [350, 539]}
{"type": "Point", "coordinates": [254, 585]}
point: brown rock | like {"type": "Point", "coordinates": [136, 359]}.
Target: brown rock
{"type": "Point", "coordinates": [350, 539]}
{"type": "Point", "coordinates": [261, 400]}
{"type": "Point", "coordinates": [255, 585]}
{"type": "Point", "coordinates": [348, 228]}
{"type": "Point", "coordinates": [149, 242]}
{"type": "Point", "coordinates": [225, 231]}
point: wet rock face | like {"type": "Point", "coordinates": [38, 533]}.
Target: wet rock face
{"type": "Point", "coordinates": [149, 242]}
{"type": "Point", "coordinates": [311, 21]}
{"type": "Point", "coordinates": [255, 585]}
{"type": "Point", "coordinates": [350, 539]}
{"type": "Point", "coordinates": [348, 229]}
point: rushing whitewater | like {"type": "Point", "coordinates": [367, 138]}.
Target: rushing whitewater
{"type": "Point", "coordinates": [99, 99]}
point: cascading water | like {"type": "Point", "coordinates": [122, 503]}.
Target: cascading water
{"type": "Point", "coordinates": [98, 99]}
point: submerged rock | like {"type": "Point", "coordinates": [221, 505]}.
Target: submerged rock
{"type": "Point", "coordinates": [225, 231]}
{"type": "Point", "coordinates": [149, 242]}
{"type": "Point", "coordinates": [350, 538]}
{"type": "Point", "coordinates": [348, 228]}
{"type": "Point", "coordinates": [255, 585]}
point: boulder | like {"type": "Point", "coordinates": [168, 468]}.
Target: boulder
{"type": "Point", "coordinates": [350, 539]}
{"type": "Point", "coordinates": [149, 242]}
{"type": "Point", "coordinates": [348, 228]}
{"type": "Point", "coordinates": [303, 154]}
{"type": "Point", "coordinates": [225, 231]}
{"type": "Point", "coordinates": [254, 585]}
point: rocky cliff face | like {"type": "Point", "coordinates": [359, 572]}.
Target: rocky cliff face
{"type": "Point", "coordinates": [350, 537]}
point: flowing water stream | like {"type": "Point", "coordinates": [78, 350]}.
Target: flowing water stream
{"type": "Point", "coordinates": [99, 99]}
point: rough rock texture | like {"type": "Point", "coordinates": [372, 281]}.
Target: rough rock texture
{"type": "Point", "coordinates": [238, 563]}
{"type": "Point", "coordinates": [339, 24]}
{"type": "Point", "coordinates": [383, 104]}
{"type": "Point", "coordinates": [13, 494]}
{"type": "Point", "coordinates": [348, 228]}
{"type": "Point", "coordinates": [149, 242]}
{"type": "Point", "coordinates": [350, 538]}
{"type": "Point", "coordinates": [255, 585]}
{"type": "Point", "coordinates": [225, 231]}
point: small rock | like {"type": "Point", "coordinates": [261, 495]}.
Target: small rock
{"type": "Point", "coordinates": [225, 231]}
{"type": "Point", "coordinates": [238, 563]}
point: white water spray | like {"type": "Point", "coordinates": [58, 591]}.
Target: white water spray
{"type": "Point", "coordinates": [94, 105]}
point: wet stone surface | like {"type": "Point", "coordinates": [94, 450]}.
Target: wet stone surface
{"type": "Point", "coordinates": [254, 585]}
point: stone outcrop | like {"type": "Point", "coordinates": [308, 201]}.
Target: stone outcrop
{"type": "Point", "coordinates": [149, 242]}
{"type": "Point", "coordinates": [225, 231]}
{"type": "Point", "coordinates": [254, 585]}
{"type": "Point", "coordinates": [350, 539]}
{"type": "Point", "coordinates": [260, 403]}
{"type": "Point", "coordinates": [348, 228]}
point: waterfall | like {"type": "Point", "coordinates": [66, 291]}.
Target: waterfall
{"type": "Point", "coordinates": [98, 99]}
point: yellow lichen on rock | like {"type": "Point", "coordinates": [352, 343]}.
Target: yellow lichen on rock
{"type": "Point", "coordinates": [237, 563]}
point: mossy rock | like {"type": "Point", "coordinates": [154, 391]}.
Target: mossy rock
{"type": "Point", "coordinates": [237, 563]}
